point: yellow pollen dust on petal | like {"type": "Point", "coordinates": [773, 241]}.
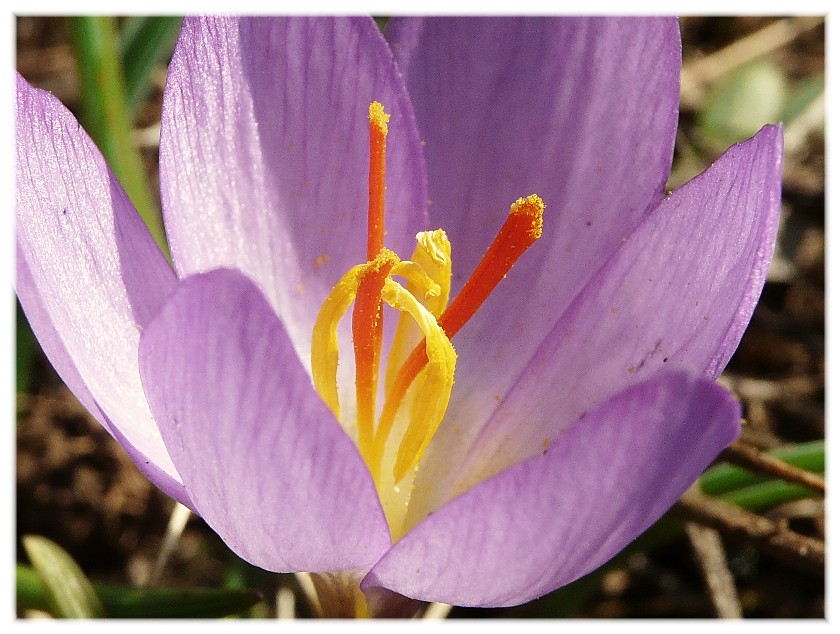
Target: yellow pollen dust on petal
{"type": "Point", "coordinates": [420, 368]}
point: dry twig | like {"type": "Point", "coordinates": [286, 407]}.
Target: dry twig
{"type": "Point", "coordinates": [744, 455]}
{"type": "Point", "coordinates": [710, 555]}
{"type": "Point", "coordinates": [774, 539]}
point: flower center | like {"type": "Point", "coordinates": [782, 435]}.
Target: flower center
{"type": "Point", "coordinates": [420, 370]}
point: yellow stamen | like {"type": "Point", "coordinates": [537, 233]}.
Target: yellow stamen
{"type": "Point", "coordinates": [419, 283]}
{"type": "Point", "coordinates": [434, 255]}
{"type": "Point", "coordinates": [325, 337]}
{"type": "Point", "coordinates": [434, 388]}
{"type": "Point", "coordinates": [420, 372]}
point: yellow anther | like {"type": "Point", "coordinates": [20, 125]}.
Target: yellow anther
{"type": "Point", "coordinates": [385, 258]}
{"type": "Point", "coordinates": [433, 254]}
{"type": "Point", "coordinates": [434, 386]}
{"type": "Point", "coordinates": [419, 282]}
{"type": "Point", "coordinates": [325, 337]}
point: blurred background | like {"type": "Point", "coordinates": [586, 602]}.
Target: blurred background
{"type": "Point", "coordinates": [745, 542]}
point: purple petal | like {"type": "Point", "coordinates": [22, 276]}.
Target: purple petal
{"type": "Point", "coordinates": [89, 274]}
{"type": "Point", "coordinates": [264, 154]}
{"type": "Point", "coordinates": [678, 294]}
{"type": "Point", "coordinates": [265, 462]}
{"type": "Point", "coordinates": [569, 108]}
{"type": "Point", "coordinates": [562, 513]}
{"type": "Point", "coordinates": [581, 111]}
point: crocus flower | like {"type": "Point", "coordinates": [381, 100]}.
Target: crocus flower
{"type": "Point", "coordinates": [584, 400]}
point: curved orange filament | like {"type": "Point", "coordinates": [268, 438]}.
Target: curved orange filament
{"type": "Point", "coordinates": [521, 229]}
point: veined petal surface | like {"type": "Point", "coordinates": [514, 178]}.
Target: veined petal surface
{"type": "Point", "coordinates": [264, 154]}
{"type": "Point", "coordinates": [89, 274]}
{"type": "Point", "coordinates": [265, 462]}
{"type": "Point", "coordinates": [583, 112]}
{"type": "Point", "coordinates": [677, 295]}
{"type": "Point", "coordinates": [562, 513]}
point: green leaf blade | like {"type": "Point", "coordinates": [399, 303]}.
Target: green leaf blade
{"type": "Point", "coordinates": [68, 591]}
{"type": "Point", "coordinates": [121, 602]}
{"type": "Point", "coordinates": [146, 42]}
{"type": "Point", "coordinates": [106, 116]}
{"type": "Point", "coordinates": [724, 478]}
